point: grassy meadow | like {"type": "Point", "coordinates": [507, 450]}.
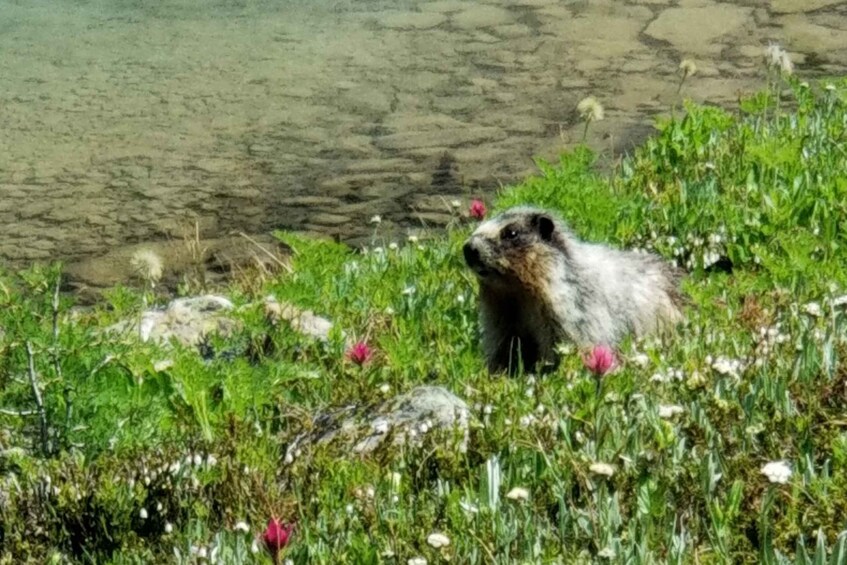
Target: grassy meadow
{"type": "Point", "coordinates": [113, 451]}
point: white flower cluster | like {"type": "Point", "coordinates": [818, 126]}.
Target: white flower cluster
{"type": "Point", "coordinates": [777, 471]}
{"type": "Point", "coordinates": [293, 452]}
{"type": "Point", "coordinates": [437, 540]}
{"type": "Point", "coordinates": [203, 553]}
{"type": "Point", "coordinates": [726, 366]}
{"type": "Point", "coordinates": [603, 469]}
{"type": "Point", "coordinates": [667, 411]}
{"type": "Point", "coordinates": [766, 341]}
{"type": "Point", "coordinates": [813, 309]}
{"type": "Point", "coordinates": [817, 310]}
{"type": "Point", "coordinates": [518, 493]}
{"type": "Point", "coordinates": [670, 374]}
{"type": "Point", "coordinates": [641, 360]}
{"type": "Point", "coordinates": [708, 250]}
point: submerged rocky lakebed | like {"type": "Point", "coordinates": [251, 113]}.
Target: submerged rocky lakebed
{"type": "Point", "coordinates": [128, 125]}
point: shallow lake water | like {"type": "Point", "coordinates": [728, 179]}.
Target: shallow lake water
{"type": "Point", "coordinates": [132, 121]}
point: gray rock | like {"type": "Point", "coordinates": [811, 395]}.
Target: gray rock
{"type": "Point", "coordinates": [482, 16]}
{"type": "Point", "coordinates": [794, 6]}
{"type": "Point", "coordinates": [406, 419]}
{"type": "Point", "coordinates": [185, 320]}
{"type": "Point", "coordinates": [411, 20]}
{"type": "Point", "coordinates": [439, 138]}
{"type": "Point", "coordinates": [302, 321]}
{"type": "Point", "coordinates": [698, 29]}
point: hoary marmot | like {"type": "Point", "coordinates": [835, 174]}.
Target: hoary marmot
{"type": "Point", "coordinates": [539, 285]}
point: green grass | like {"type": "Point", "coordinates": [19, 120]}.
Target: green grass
{"type": "Point", "coordinates": [758, 372]}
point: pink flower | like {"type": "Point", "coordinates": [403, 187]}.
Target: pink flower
{"type": "Point", "coordinates": [360, 353]}
{"type": "Point", "coordinates": [600, 361]}
{"type": "Point", "coordinates": [276, 537]}
{"type": "Point", "coordinates": [477, 209]}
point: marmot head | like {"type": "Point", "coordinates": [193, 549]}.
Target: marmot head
{"type": "Point", "coordinates": [518, 246]}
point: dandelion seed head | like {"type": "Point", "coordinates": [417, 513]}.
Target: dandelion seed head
{"type": "Point", "coordinates": [687, 68]}
{"type": "Point", "coordinates": [786, 66]}
{"type": "Point", "coordinates": [773, 55]}
{"type": "Point", "coordinates": [590, 109]}
{"type": "Point", "coordinates": [147, 264]}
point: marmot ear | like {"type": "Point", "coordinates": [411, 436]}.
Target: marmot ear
{"type": "Point", "coordinates": [544, 225]}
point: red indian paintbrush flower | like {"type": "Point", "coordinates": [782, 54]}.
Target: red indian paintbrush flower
{"type": "Point", "coordinates": [477, 209]}
{"type": "Point", "coordinates": [600, 361]}
{"type": "Point", "coordinates": [360, 353]}
{"type": "Point", "coordinates": [275, 537]}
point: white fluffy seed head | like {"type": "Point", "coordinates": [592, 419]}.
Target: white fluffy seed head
{"type": "Point", "coordinates": [786, 66]}
{"type": "Point", "coordinates": [147, 265]}
{"type": "Point", "coordinates": [687, 68]}
{"type": "Point", "coordinates": [590, 109]}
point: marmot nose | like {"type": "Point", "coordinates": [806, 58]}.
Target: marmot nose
{"type": "Point", "coordinates": [471, 254]}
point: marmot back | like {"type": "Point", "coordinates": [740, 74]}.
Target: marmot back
{"type": "Point", "coordinates": [539, 285]}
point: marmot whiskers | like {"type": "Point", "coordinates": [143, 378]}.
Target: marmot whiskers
{"type": "Point", "coordinates": [539, 285]}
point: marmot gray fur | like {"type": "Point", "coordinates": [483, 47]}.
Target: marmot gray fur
{"type": "Point", "coordinates": [539, 286]}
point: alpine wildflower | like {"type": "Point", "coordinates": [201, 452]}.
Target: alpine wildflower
{"type": "Point", "coordinates": [477, 209]}
{"type": "Point", "coordinates": [600, 360]}
{"type": "Point", "coordinates": [275, 537]}
{"type": "Point", "coordinates": [360, 353]}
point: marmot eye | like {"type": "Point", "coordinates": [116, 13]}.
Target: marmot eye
{"type": "Point", "coordinates": [508, 234]}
